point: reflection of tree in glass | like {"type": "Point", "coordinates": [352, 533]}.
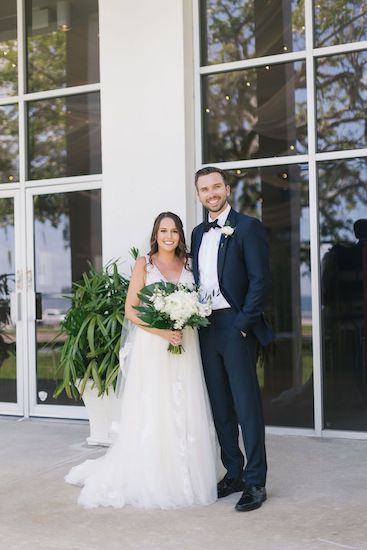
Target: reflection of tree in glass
{"type": "Point", "coordinates": [256, 112]}
{"type": "Point", "coordinates": [340, 22]}
{"type": "Point", "coordinates": [232, 28]}
{"type": "Point", "coordinates": [246, 191]}
{"type": "Point", "coordinates": [59, 59]}
{"type": "Point", "coordinates": [8, 67]}
{"type": "Point", "coordinates": [77, 215]}
{"type": "Point", "coordinates": [341, 101]}
{"type": "Point", "coordinates": [230, 115]}
{"type": "Point", "coordinates": [8, 87]}
{"type": "Point", "coordinates": [54, 209]}
{"type": "Point", "coordinates": [64, 136]}
{"type": "Point", "coordinates": [247, 195]}
{"type": "Point", "coordinates": [249, 187]}
{"type": "Point", "coordinates": [51, 208]}
{"type": "Point", "coordinates": [47, 138]}
{"type": "Point", "coordinates": [342, 198]}
{"type": "Point", "coordinates": [47, 61]}
{"type": "Point", "coordinates": [6, 214]}
{"type": "Point", "coordinates": [9, 148]}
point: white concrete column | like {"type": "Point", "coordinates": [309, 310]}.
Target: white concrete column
{"type": "Point", "coordinates": [143, 64]}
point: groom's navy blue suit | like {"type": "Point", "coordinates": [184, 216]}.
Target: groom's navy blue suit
{"type": "Point", "coordinates": [229, 359]}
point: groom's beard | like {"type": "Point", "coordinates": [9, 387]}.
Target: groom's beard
{"type": "Point", "coordinates": [222, 205]}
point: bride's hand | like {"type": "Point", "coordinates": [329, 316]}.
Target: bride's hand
{"type": "Point", "coordinates": [174, 337]}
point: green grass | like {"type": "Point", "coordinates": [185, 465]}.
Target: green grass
{"type": "Point", "coordinates": [307, 367]}
{"type": "Point", "coordinates": [7, 369]}
{"type": "Point", "coordinates": [47, 363]}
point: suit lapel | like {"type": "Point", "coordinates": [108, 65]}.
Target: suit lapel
{"type": "Point", "coordinates": [223, 243]}
{"type": "Point", "coordinates": [195, 251]}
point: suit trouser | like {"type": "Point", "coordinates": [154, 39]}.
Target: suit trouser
{"type": "Point", "coordinates": [229, 362]}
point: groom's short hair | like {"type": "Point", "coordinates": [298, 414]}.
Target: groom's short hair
{"type": "Point", "coordinates": [211, 170]}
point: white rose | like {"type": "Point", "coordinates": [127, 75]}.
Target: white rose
{"type": "Point", "coordinates": [227, 230]}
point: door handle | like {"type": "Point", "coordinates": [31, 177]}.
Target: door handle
{"type": "Point", "coordinates": [29, 279]}
{"type": "Point", "coordinates": [19, 279]}
{"type": "Point", "coordinates": [38, 306]}
{"type": "Point", "coordinates": [15, 307]}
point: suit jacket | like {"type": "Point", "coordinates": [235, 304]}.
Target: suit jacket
{"type": "Point", "coordinates": [243, 272]}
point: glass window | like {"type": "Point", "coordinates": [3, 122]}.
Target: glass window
{"type": "Point", "coordinates": [232, 31]}
{"type": "Point", "coordinates": [255, 113]}
{"type": "Point", "coordinates": [64, 136]}
{"type": "Point", "coordinates": [67, 236]}
{"type": "Point", "coordinates": [8, 48]}
{"type": "Point", "coordinates": [279, 196]}
{"type": "Point", "coordinates": [339, 22]}
{"type": "Point", "coordinates": [343, 250]}
{"type": "Point", "coordinates": [8, 371]}
{"type": "Point", "coordinates": [9, 145]}
{"type": "Point", "coordinates": [341, 82]}
{"type": "Point", "coordinates": [62, 43]}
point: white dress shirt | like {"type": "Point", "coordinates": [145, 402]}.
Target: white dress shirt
{"type": "Point", "coordinates": [208, 261]}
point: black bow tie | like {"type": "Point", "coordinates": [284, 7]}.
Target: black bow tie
{"type": "Point", "coordinates": [210, 225]}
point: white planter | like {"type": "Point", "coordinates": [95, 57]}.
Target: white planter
{"type": "Point", "coordinates": [100, 414]}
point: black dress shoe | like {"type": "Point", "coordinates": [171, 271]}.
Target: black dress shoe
{"type": "Point", "coordinates": [252, 498]}
{"type": "Point", "coordinates": [229, 485]}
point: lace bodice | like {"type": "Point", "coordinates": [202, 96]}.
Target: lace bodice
{"type": "Point", "coordinates": [155, 276]}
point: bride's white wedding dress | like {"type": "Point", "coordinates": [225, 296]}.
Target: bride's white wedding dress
{"type": "Point", "coordinates": [164, 455]}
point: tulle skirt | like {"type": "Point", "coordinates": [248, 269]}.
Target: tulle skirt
{"type": "Point", "coordinates": [164, 455]}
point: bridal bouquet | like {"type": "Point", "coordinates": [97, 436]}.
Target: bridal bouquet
{"type": "Point", "coordinates": [173, 307]}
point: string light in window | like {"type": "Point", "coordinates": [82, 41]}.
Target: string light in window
{"type": "Point", "coordinates": [63, 15]}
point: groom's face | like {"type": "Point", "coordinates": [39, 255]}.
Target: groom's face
{"type": "Point", "coordinates": [213, 192]}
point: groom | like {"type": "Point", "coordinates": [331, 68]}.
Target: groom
{"type": "Point", "coordinates": [230, 262]}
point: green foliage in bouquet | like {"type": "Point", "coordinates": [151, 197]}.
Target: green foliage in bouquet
{"type": "Point", "coordinates": [93, 329]}
{"type": "Point", "coordinates": [159, 319]}
{"type": "Point", "coordinates": [147, 312]}
{"type": "Point", "coordinates": [174, 314]}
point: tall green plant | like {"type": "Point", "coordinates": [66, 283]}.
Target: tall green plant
{"type": "Point", "coordinates": [93, 328]}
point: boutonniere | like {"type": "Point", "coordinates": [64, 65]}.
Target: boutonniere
{"type": "Point", "coordinates": [228, 230]}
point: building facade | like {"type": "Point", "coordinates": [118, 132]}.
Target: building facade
{"type": "Point", "coordinates": [107, 109]}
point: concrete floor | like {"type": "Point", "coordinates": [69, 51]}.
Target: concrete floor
{"type": "Point", "coordinates": [317, 499]}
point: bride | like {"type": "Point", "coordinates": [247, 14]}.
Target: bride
{"type": "Point", "coordinates": [164, 455]}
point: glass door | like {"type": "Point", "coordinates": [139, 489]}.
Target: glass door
{"type": "Point", "coordinates": [50, 179]}
{"type": "Point", "coordinates": [11, 318]}
{"type": "Point", "coordinates": [64, 237]}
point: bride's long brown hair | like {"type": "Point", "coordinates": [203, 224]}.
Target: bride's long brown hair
{"type": "Point", "coordinates": [181, 250]}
